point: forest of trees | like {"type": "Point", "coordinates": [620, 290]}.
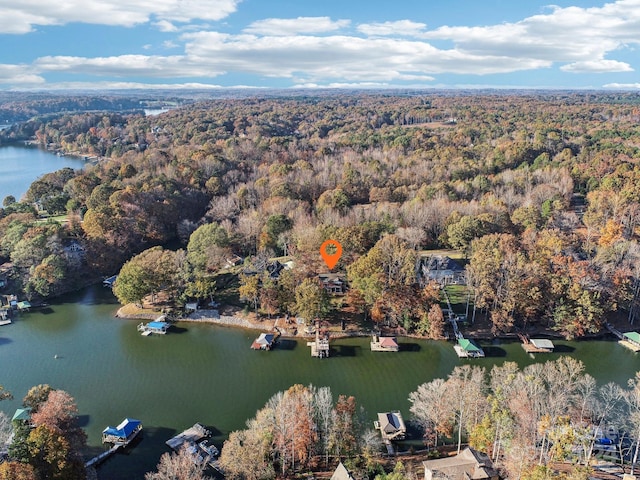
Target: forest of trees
{"type": "Point", "coordinates": [538, 191]}
{"type": "Point", "coordinates": [527, 420]}
{"type": "Point", "coordinates": [49, 443]}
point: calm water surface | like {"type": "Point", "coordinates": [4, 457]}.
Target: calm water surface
{"type": "Point", "coordinates": [20, 166]}
{"type": "Point", "coordinates": [209, 374]}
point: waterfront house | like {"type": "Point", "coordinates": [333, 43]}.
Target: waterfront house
{"type": "Point", "coordinates": [469, 464]}
{"type": "Point", "coordinates": [333, 283]}
{"type": "Point", "coordinates": [264, 342]}
{"type": "Point", "coordinates": [124, 433]}
{"type": "Point", "coordinates": [341, 473]}
{"type": "Point", "coordinates": [391, 425]}
{"type": "Point", "coordinates": [22, 415]}
{"type": "Point", "coordinates": [442, 269]}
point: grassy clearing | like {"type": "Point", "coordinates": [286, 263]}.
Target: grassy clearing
{"type": "Point", "coordinates": [458, 295]}
{"type": "Point", "coordinates": [58, 218]}
{"type": "Point", "coordinates": [455, 254]}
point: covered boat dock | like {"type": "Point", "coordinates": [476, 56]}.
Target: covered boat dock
{"type": "Point", "coordinates": [124, 433]}
{"type": "Point", "coordinates": [465, 348]}
{"type": "Point", "coordinates": [538, 345]}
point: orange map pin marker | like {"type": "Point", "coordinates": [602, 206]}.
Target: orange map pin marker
{"type": "Point", "coordinates": [331, 259]}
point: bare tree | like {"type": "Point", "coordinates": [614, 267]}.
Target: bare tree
{"type": "Point", "coordinates": [178, 466]}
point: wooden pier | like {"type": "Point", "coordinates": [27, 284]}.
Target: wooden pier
{"type": "Point", "coordinates": [319, 347]}
{"type": "Point", "coordinates": [536, 345]}
{"type": "Point", "coordinates": [630, 340]}
{"type": "Point", "coordinates": [103, 456]}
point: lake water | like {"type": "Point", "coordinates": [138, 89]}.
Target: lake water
{"type": "Point", "coordinates": [208, 374]}
{"type": "Point", "coordinates": [205, 373]}
{"type": "Point", "coordinates": [20, 166]}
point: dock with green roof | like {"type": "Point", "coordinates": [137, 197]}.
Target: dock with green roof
{"type": "Point", "coordinates": [466, 348]}
{"type": "Point", "coordinates": [631, 340]}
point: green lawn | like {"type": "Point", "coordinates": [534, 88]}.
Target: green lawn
{"type": "Point", "coordinates": [57, 218]}
{"type": "Point", "coordinates": [458, 295]}
{"type": "Point", "coordinates": [455, 254]}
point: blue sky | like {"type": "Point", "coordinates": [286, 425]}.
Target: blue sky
{"type": "Point", "coordinates": [97, 44]}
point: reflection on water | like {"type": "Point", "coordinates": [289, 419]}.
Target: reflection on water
{"type": "Point", "coordinates": [209, 374]}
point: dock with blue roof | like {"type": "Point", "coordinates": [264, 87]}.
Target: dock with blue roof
{"type": "Point", "coordinates": [124, 433]}
{"type": "Point", "coordinates": [158, 326]}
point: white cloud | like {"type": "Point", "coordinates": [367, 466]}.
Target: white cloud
{"type": "Point", "coordinates": [153, 66]}
{"type": "Point", "coordinates": [597, 66]}
{"type": "Point", "coordinates": [623, 86]}
{"type": "Point", "coordinates": [581, 37]}
{"type": "Point", "coordinates": [165, 26]}
{"type": "Point", "coordinates": [306, 52]}
{"type": "Point", "coordinates": [293, 26]}
{"type": "Point", "coordinates": [170, 44]}
{"type": "Point", "coordinates": [107, 85]}
{"type": "Point", "coordinates": [20, 17]}
{"type": "Point", "coordinates": [400, 27]}
{"type": "Point", "coordinates": [19, 74]}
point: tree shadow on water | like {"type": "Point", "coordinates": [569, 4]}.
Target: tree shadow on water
{"type": "Point", "coordinates": [285, 344]}
{"type": "Point", "coordinates": [83, 420]}
{"type": "Point", "coordinates": [563, 349]}
{"type": "Point", "coordinates": [4, 341]}
{"type": "Point", "coordinates": [343, 351]}
{"type": "Point", "coordinates": [409, 347]}
{"type": "Point", "coordinates": [494, 352]}
{"type": "Point", "coordinates": [178, 330]}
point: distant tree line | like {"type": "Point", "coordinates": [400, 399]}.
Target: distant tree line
{"type": "Point", "coordinates": [527, 186]}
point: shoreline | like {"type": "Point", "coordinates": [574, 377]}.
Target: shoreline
{"type": "Point", "coordinates": [213, 317]}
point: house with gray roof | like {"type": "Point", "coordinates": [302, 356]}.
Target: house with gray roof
{"type": "Point", "coordinates": [469, 464]}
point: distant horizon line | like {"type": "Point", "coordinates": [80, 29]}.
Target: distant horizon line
{"type": "Point", "coordinates": [326, 89]}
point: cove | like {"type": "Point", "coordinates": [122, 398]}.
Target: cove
{"type": "Point", "coordinates": [20, 166]}
{"type": "Point", "coordinates": [209, 374]}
